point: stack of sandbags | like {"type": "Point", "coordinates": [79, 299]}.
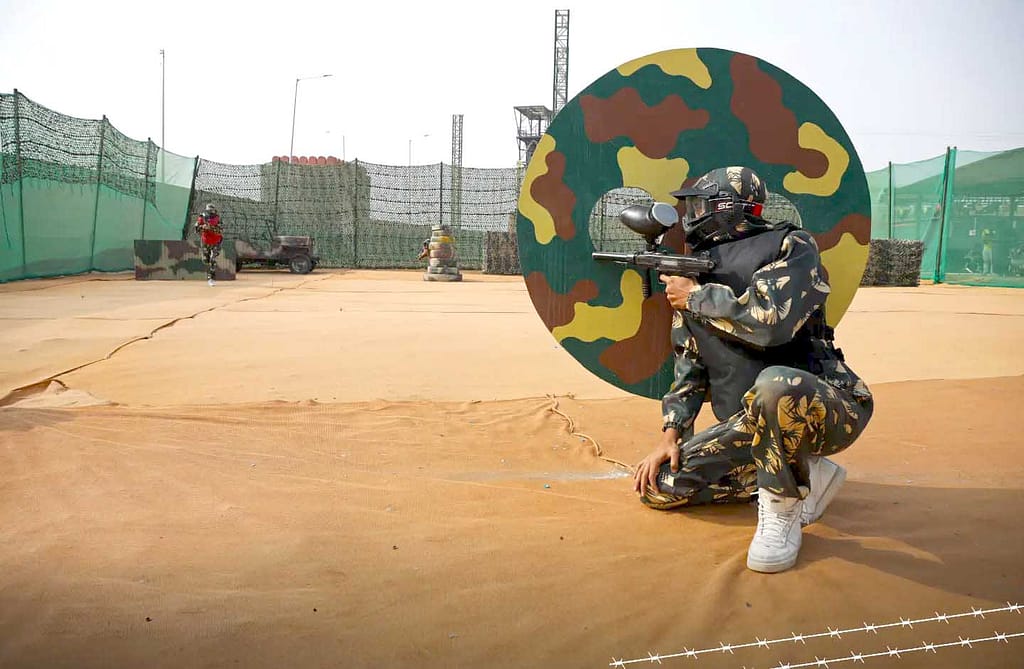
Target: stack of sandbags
{"type": "Point", "coordinates": [442, 265]}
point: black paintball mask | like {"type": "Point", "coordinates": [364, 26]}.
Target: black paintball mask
{"type": "Point", "coordinates": [723, 205]}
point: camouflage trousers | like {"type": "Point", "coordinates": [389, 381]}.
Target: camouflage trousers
{"type": "Point", "coordinates": [210, 253]}
{"type": "Point", "coordinates": [787, 416]}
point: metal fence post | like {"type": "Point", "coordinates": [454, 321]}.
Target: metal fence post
{"type": "Point", "coordinates": [947, 196]}
{"type": "Point", "coordinates": [942, 217]}
{"type": "Point", "coordinates": [96, 203]}
{"type": "Point", "coordinates": [355, 214]}
{"type": "Point", "coordinates": [145, 186]}
{"type": "Point", "coordinates": [191, 199]}
{"type": "Point", "coordinates": [21, 180]}
{"type": "Point", "coordinates": [277, 192]}
{"type": "Point", "coordinates": [892, 197]}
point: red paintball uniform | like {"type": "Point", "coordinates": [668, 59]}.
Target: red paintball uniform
{"type": "Point", "coordinates": [208, 226]}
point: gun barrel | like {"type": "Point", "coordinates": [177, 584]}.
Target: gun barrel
{"type": "Point", "coordinates": [614, 257]}
{"type": "Point", "coordinates": [685, 264]}
{"type": "Point", "coordinates": [662, 262]}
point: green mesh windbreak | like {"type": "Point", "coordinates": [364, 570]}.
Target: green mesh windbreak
{"type": "Point", "coordinates": [984, 235]}
{"type": "Point", "coordinates": [967, 207]}
{"type": "Point", "coordinates": [476, 201]}
{"type": "Point", "coordinates": [359, 214]}
{"type": "Point", "coordinates": [878, 186]}
{"type": "Point", "coordinates": [75, 193]}
{"type": "Point", "coordinates": [165, 216]}
{"type": "Point", "coordinates": [918, 191]}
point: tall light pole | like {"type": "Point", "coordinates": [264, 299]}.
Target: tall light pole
{"type": "Point", "coordinates": [295, 105]}
{"type": "Point", "coordinates": [163, 96]}
{"type": "Point", "coordinates": [163, 107]}
{"type": "Point", "coordinates": [410, 148]}
{"type": "Point", "coordinates": [408, 189]}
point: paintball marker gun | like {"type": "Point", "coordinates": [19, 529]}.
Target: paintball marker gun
{"type": "Point", "coordinates": [651, 223]}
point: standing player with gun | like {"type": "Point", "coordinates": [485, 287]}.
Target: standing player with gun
{"type": "Point", "coordinates": [209, 228]}
{"type": "Point", "coordinates": [750, 333]}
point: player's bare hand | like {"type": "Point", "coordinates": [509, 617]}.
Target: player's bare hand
{"type": "Point", "coordinates": [677, 289]}
{"type": "Point", "coordinates": [646, 475]}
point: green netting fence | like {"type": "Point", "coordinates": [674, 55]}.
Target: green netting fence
{"type": "Point", "coordinates": [76, 193]}
{"type": "Point", "coordinates": [967, 209]}
{"type": "Point", "coordinates": [360, 214]}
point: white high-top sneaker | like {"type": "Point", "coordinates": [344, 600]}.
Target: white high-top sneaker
{"type": "Point", "coordinates": [211, 282]}
{"type": "Point", "coordinates": [777, 540]}
{"type": "Point", "coordinates": [826, 479]}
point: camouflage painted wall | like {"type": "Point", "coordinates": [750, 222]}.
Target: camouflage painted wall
{"type": "Point", "coordinates": [172, 260]}
{"type": "Point", "coordinates": [501, 255]}
{"type": "Point", "coordinates": [657, 123]}
{"type": "Point", "coordinates": [893, 262]}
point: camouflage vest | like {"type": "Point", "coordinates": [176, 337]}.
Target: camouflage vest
{"type": "Point", "coordinates": [733, 365]}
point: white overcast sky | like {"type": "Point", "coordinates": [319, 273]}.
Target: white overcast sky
{"type": "Point", "coordinates": [905, 77]}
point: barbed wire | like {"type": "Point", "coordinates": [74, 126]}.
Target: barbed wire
{"type": "Point", "coordinates": [838, 634]}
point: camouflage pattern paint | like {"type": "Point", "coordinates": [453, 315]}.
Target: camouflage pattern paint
{"type": "Point", "coordinates": [657, 123]}
{"type": "Point", "coordinates": [172, 260]}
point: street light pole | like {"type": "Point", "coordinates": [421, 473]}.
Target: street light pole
{"type": "Point", "coordinates": [408, 190]}
{"type": "Point", "coordinates": [410, 148]}
{"type": "Point", "coordinates": [295, 106]}
{"type": "Point", "coordinates": [163, 110]}
{"type": "Point", "coordinates": [163, 97]}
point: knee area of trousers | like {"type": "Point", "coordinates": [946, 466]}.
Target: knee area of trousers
{"type": "Point", "coordinates": [774, 383]}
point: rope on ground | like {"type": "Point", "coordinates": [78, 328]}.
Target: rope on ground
{"type": "Point", "coordinates": [572, 430]}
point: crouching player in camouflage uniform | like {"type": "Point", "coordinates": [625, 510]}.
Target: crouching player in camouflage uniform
{"type": "Point", "coordinates": [208, 227]}
{"type": "Point", "coordinates": [752, 334]}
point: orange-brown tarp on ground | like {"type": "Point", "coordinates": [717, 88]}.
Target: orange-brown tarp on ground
{"type": "Point", "coordinates": [363, 469]}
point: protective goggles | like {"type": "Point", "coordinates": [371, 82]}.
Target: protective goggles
{"type": "Point", "coordinates": [697, 206]}
{"type": "Point", "coordinates": [694, 207]}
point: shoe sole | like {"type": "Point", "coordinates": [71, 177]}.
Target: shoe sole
{"type": "Point", "coordinates": [770, 567]}
{"type": "Point", "coordinates": [831, 488]}
{"type": "Point", "coordinates": [663, 502]}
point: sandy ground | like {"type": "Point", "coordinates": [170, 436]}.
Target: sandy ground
{"type": "Point", "coordinates": [362, 469]}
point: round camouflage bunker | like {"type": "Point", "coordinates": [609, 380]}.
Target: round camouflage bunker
{"type": "Point", "coordinates": [657, 123]}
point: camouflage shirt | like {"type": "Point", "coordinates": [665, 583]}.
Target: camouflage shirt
{"type": "Point", "coordinates": [781, 297]}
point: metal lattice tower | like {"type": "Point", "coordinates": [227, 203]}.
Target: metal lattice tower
{"type": "Point", "coordinates": [560, 93]}
{"type": "Point", "coordinates": [456, 171]}
{"type": "Point", "coordinates": [532, 121]}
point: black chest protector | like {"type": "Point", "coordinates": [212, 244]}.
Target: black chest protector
{"type": "Point", "coordinates": [733, 365]}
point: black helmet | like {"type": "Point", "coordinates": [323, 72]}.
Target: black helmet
{"type": "Point", "coordinates": [722, 205]}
